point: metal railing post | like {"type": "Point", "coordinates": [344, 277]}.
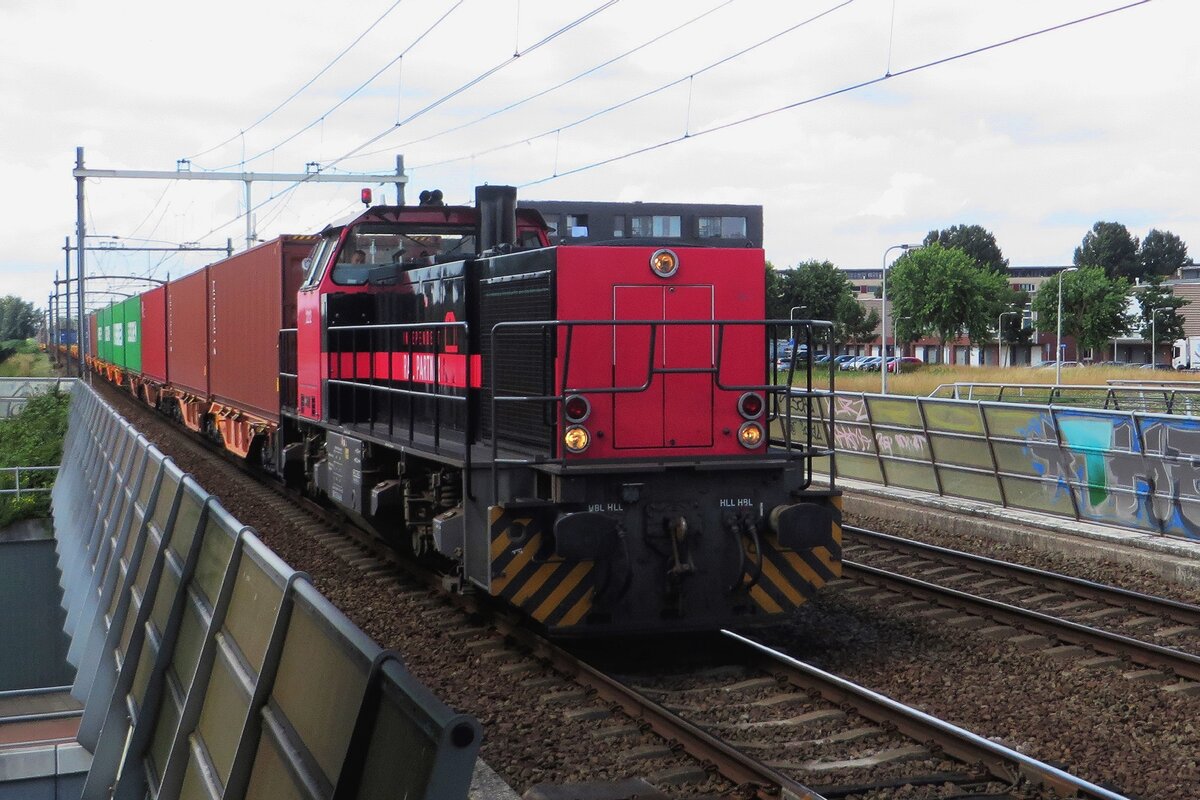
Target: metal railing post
{"type": "Point", "coordinates": [937, 472]}
{"type": "Point", "coordinates": [1063, 461]}
{"type": "Point", "coordinates": [987, 436]}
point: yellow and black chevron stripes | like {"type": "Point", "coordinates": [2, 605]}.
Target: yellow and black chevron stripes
{"type": "Point", "coordinates": [555, 592]}
{"type": "Point", "coordinates": [526, 573]}
{"type": "Point", "coordinates": [791, 577]}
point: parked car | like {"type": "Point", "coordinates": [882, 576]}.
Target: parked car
{"type": "Point", "coordinates": [788, 362]}
{"type": "Point", "coordinates": [854, 364]}
{"type": "Point", "coordinates": [847, 362]}
{"type": "Point", "coordinates": [822, 360]}
{"type": "Point", "coordinates": [869, 364]}
{"type": "Point", "coordinates": [1160, 365]}
{"type": "Point", "coordinates": [904, 363]}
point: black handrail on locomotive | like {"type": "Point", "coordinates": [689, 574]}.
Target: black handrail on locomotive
{"type": "Point", "coordinates": [808, 393]}
{"type": "Point", "coordinates": [807, 325]}
{"type": "Point", "coordinates": [289, 381]}
{"type": "Point", "coordinates": [282, 372]}
{"type": "Point", "coordinates": [438, 329]}
{"type": "Point", "coordinates": [773, 389]}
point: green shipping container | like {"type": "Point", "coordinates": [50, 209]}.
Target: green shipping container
{"type": "Point", "coordinates": [127, 334]}
{"type": "Point", "coordinates": [104, 334]}
{"type": "Point", "coordinates": [116, 344]}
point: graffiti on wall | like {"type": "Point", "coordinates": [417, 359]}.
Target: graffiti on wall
{"type": "Point", "coordinates": [1134, 470]}
{"type": "Point", "coordinates": [853, 432]}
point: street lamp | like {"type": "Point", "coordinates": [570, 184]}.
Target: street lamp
{"type": "Point", "coordinates": [1000, 336]}
{"type": "Point", "coordinates": [792, 328]}
{"type": "Point", "coordinates": [1153, 331]}
{"type": "Point", "coordinates": [883, 316]}
{"type": "Point", "coordinates": [1058, 338]}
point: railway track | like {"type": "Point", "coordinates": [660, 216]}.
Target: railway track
{"type": "Point", "coordinates": [846, 740]}
{"type": "Point", "coordinates": [1109, 620]}
{"type": "Point", "coordinates": [1170, 613]}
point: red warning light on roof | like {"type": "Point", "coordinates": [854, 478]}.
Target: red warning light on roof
{"type": "Point", "coordinates": [366, 197]}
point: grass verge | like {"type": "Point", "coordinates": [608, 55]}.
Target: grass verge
{"type": "Point", "coordinates": [923, 381]}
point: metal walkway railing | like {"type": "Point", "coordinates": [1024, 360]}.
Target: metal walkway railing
{"type": "Point", "coordinates": [1150, 397]}
{"type": "Point", "coordinates": [1126, 468]}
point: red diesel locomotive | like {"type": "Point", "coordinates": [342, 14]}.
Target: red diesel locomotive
{"type": "Point", "coordinates": [579, 430]}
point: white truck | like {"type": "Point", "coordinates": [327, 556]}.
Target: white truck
{"type": "Point", "coordinates": [1185, 354]}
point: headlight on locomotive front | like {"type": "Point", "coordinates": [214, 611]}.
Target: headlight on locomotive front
{"type": "Point", "coordinates": [750, 435]}
{"type": "Point", "coordinates": [576, 439]}
{"type": "Point", "coordinates": [664, 263]}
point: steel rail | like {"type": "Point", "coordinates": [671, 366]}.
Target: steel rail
{"type": "Point", "coordinates": [733, 764]}
{"type": "Point", "coordinates": [1000, 761]}
{"type": "Point", "coordinates": [1181, 664]}
{"type": "Point", "coordinates": [1146, 603]}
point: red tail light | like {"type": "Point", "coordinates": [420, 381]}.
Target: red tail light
{"type": "Point", "coordinates": [577, 408]}
{"type": "Point", "coordinates": [750, 405]}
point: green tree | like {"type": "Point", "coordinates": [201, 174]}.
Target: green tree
{"type": "Point", "coordinates": [1094, 306]}
{"type": "Point", "coordinates": [1012, 325]}
{"type": "Point", "coordinates": [974, 240]}
{"type": "Point", "coordinates": [943, 293]}
{"type": "Point", "coordinates": [854, 323]}
{"type": "Point", "coordinates": [1162, 253]}
{"type": "Point", "coordinates": [1155, 294]}
{"type": "Point", "coordinates": [825, 293]}
{"type": "Point", "coordinates": [777, 304]}
{"type": "Point", "coordinates": [18, 318]}
{"type": "Point", "coordinates": [1110, 245]}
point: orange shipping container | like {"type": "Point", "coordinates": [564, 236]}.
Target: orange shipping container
{"type": "Point", "coordinates": [187, 333]}
{"type": "Point", "coordinates": [250, 297]}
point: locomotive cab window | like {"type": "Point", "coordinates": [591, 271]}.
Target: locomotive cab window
{"type": "Point", "coordinates": [721, 228]}
{"type": "Point", "coordinates": [368, 248]}
{"type": "Point", "coordinates": [314, 265]}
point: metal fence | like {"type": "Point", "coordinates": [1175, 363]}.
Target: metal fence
{"type": "Point", "coordinates": [208, 667]}
{"type": "Point", "coordinates": [15, 392]}
{"type": "Point", "coordinates": [10, 481]}
{"type": "Point", "coordinates": [1160, 398]}
{"type": "Point", "coordinates": [1127, 468]}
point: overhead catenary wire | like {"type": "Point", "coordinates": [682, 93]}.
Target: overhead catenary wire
{"type": "Point", "coordinates": [836, 92]}
{"type": "Point", "coordinates": [348, 97]}
{"type": "Point", "coordinates": [304, 86]}
{"type": "Point", "coordinates": [561, 84]}
{"type": "Point", "coordinates": [432, 105]}
{"type": "Point", "coordinates": [153, 208]}
{"type": "Point", "coordinates": [478, 79]}
{"type": "Point", "coordinates": [643, 95]}
{"type": "Point", "coordinates": [734, 123]}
